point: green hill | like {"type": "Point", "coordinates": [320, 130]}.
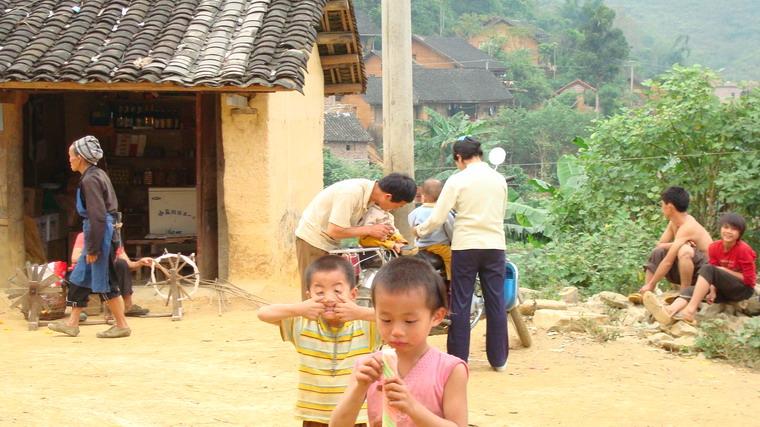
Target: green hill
{"type": "Point", "coordinates": [722, 33]}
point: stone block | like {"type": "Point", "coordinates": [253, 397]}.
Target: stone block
{"type": "Point", "coordinates": [614, 300]}
{"type": "Point", "coordinates": [559, 319]}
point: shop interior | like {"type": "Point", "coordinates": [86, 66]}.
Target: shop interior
{"type": "Point", "coordinates": [149, 144]}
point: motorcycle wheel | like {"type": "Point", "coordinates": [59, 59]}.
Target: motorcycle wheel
{"type": "Point", "coordinates": [477, 306]}
{"type": "Point", "coordinates": [521, 328]}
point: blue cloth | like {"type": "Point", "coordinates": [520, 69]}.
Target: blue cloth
{"type": "Point", "coordinates": [441, 235]}
{"type": "Point", "coordinates": [95, 275]}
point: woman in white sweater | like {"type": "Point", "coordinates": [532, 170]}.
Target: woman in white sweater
{"type": "Point", "coordinates": [478, 194]}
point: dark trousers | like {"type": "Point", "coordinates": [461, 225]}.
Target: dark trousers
{"type": "Point", "coordinates": [489, 264]}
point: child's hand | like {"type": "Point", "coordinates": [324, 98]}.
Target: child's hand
{"type": "Point", "coordinates": [711, 295]}
{"type": "Point", "coordinates": [312, 308]}
{"type": "Point", "coordinates": [346, 309]}
{"type": "Point", "coordinates": [368, 371]}
{"type": "Point", "coordinates": [380, 231]}
{"type": "Point", "coordinates": [397, 247]}
{"type": "Point", "coordinates": [398, 395]}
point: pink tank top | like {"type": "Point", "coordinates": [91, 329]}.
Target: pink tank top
{"type": "Point", "coordinates": [426, 381]}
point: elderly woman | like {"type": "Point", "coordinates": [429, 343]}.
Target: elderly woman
{"type": "Point", "coordinates": [96, 204]}
{"type": "Point", "coordinates": [478, 194]}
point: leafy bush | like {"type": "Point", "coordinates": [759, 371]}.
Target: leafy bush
{"type": "Point", "coordinates": [337, 169]}
{"type": "Point", "coordinates": [743, 346]}
{"type": "Point", "coordinates": [609, 259]}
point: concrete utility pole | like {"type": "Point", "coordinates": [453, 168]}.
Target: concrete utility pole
{"type": "Point", "coordinates": [398, 111]}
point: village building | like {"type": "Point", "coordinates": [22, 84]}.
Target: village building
{"type": "Point", "coordinates": [452, 52]}
{"type": "Point", "coordinates": [513, 36]}
{"type": "Point", "coordinates": [346, 138]}
{"type": "Point", "coordinates": [581, 90]}
{"type": "Point", "coordinates": [210, 116]}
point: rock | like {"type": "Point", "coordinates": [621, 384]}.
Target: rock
{"type": "Point", "coordinates": [527, 308]}
{"type": "Point", "coordinates": [614, 299]}
{"type": "Point", "coordinates": [659, 338]}
{"type": "Point", "coordinates": [752, 307]}
{"type": "Point", "coordinates": [712, 310]}
{"type": "Point", "coordinates": [569, 295]}
{"type": "Point", "coordinates": [596, 306]}
{"type": "Point", "coordinates": [634, 314]}
{"type": "Point", "coordinates": [526, 294]}
{"type": "Point", "coordinates": [559, 319]}
{"type": "Point", "coordinates": [547, 304]}
{"type": "Point", "coordinates": [679, 344]}
{"type": "Point", "coordinates": [680, 329]}
{"type": "Point", "coordinates": [736, 323]}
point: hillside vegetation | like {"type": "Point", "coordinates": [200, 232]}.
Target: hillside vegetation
{"type": "Point", "coordinates": [722, 33]}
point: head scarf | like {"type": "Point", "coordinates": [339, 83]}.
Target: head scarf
{"type": "Point", "coordinates": [89, 148]}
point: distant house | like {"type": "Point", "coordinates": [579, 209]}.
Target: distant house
{"type": "Point", "coordinates": [728, 92]}
{"type": "Point", "coordinates": [579, 87]}
{"type": "Point", "coordinates": [452, 52]}
{"type": "Point", "coordinates": [369, 32]}
{"type": "Point", "coordinates": [345, 137]}
{"type": "Point", "coordinates": [517, 35]}
{"type": "Point", "coordinates": [373, 63]}
{"type": "Point", "coordinates": [476, 92]}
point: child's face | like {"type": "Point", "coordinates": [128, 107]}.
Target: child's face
{"type": "Point", "coordinates": [404, 320]}
{"type": "Point", "coordinates": [729, 234]}
{"type": "Point", "coordinates": [331, 286]}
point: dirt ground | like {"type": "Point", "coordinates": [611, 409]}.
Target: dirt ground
{"type": "Point", "coordinates": [234, 370]}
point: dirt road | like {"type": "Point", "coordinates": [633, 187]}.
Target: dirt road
{"type": "Point", "coordinates": [234, 370]}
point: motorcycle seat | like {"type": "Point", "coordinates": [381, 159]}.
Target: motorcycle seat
{"type": "Point", "coordinates": [432, 259]}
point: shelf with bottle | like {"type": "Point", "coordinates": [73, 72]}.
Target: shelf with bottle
{"type": "Point", "coordinates": [136, 117]}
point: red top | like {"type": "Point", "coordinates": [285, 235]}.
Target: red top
{"type": "Point", "coordinates": [79, 244]}
{"type": "Point", "coordinates": [740, 258]}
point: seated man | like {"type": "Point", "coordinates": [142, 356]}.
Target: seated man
{"type": "Point", "coordinates": [681, 250]}
{"type": "Point", "coordinates": [730, 275]}
{"type": "Point", "coordinates": [123, 267]}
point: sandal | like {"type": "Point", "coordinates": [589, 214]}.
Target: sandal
{"type": "Point", "coordinates": [656, 308]}
{"type": "Point", "coordinates": [681, 318]}
{"type": "Point", "coordinates": [635, 298]}
{"type": "Point", "coordinates": [63, 328]}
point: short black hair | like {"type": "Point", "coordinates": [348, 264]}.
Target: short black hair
{"type": "Point", "coordinates": [401, 187]}
{"type": "Point", "coordinates": [404, 274]}
{"type": "Point", "coordinates": [466, 147]}
{"type": "Point", "coordinates": [676, 196]}
{"type": "Point", "coordinates": [330, 263]}
{"type": "Point", "coordinates": [734, 220]}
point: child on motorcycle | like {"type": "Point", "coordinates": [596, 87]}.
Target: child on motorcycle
{"type": "Point", "coordinates": [439, 241]}
{"type": "Point", "coordinates": [376, 215]}
{"type": "Point", "coordinates": [431, 386]}
{"type": "Point", "coordinates": [329, 331]}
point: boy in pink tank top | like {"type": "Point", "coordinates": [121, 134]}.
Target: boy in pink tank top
{"type": "Point", "coordinates": [431, 386]}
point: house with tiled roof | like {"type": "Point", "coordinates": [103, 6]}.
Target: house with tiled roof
{"type": "Point", "coordinates": [514, 35]}
{"type": "Point", "coordinates": [452, 52]}
{"type": "Point", "coordinates": [345, 137]}
{"type": "Point", "coordinates": [581, 89]}
{"type": "Point", "coordinates": [476, 92]}
{"type": "Point", "coordinates": [203, 102]}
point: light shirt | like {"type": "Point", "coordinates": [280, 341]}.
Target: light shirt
{"type": "Point", "coordinates": [439, 236]}
{"type": "Point", "coordinates": [478, 194]}
{"type": "Point", "coordinates": [326, 359]}
{"type": "Point", "coordinates": [343, 204]}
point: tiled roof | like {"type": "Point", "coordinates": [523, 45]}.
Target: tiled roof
{"type": "Point", "coordinates": [462, 53]}
{"type": "Point", "coordinates": [188, 43]}
{"type": "Point", "coordinates": [344, 127]}
{"type": "Point", "coordinates": [447, 85]}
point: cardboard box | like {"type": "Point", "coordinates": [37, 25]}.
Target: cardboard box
{"type": "Point", "coordinates": [172, 211]}
{"type": "Point", "coordinates": [49, 226]}
{"type": "Point", "coordinates": [33, 201]}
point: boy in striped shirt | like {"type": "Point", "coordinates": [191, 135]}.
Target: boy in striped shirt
{"type": "Point", "coordinates": [329, 332]}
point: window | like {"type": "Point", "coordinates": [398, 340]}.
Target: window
{"type": "Point", "coordinates": [348, 147]}
{"type": "Point", "coordinates": [469, 109]}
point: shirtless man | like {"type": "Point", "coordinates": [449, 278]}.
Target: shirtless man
{"type": "Point", "coordinates": [681, 250]}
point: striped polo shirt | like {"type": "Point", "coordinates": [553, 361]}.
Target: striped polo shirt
{"type": "Point", "coordinates": [326, 360]}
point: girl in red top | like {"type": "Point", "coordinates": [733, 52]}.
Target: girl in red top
{"type": "Point", "coordinates": [729, 276]}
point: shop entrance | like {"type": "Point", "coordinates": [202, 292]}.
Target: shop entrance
{"type": "Point", "coordinates": [160, 153]}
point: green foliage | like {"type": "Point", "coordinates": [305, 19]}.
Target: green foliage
{"type": "Point", "coordinates": [607, 259]}
{"type": "Point", "coordinates": [716, 340]}
{"type": "Point", "coordinates": [433, 139]}
{"type": "Point", "coordinates": [682, 136]}
{"type": "Point", "coordinates": [538, 138]}
{"type": "Point", "coordinates": [337, 169]}
{"type": "Point", "coordinates": [530, 86]}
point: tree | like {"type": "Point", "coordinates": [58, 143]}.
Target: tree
{"type": "Point", "coordinates": [433, 139]}
{"type": "Point", "coordinates": [539, 137]}
{"type": "Point", "coordinates": [682, 136]}
{"type": "Point", "coordinates": [337, 169]}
